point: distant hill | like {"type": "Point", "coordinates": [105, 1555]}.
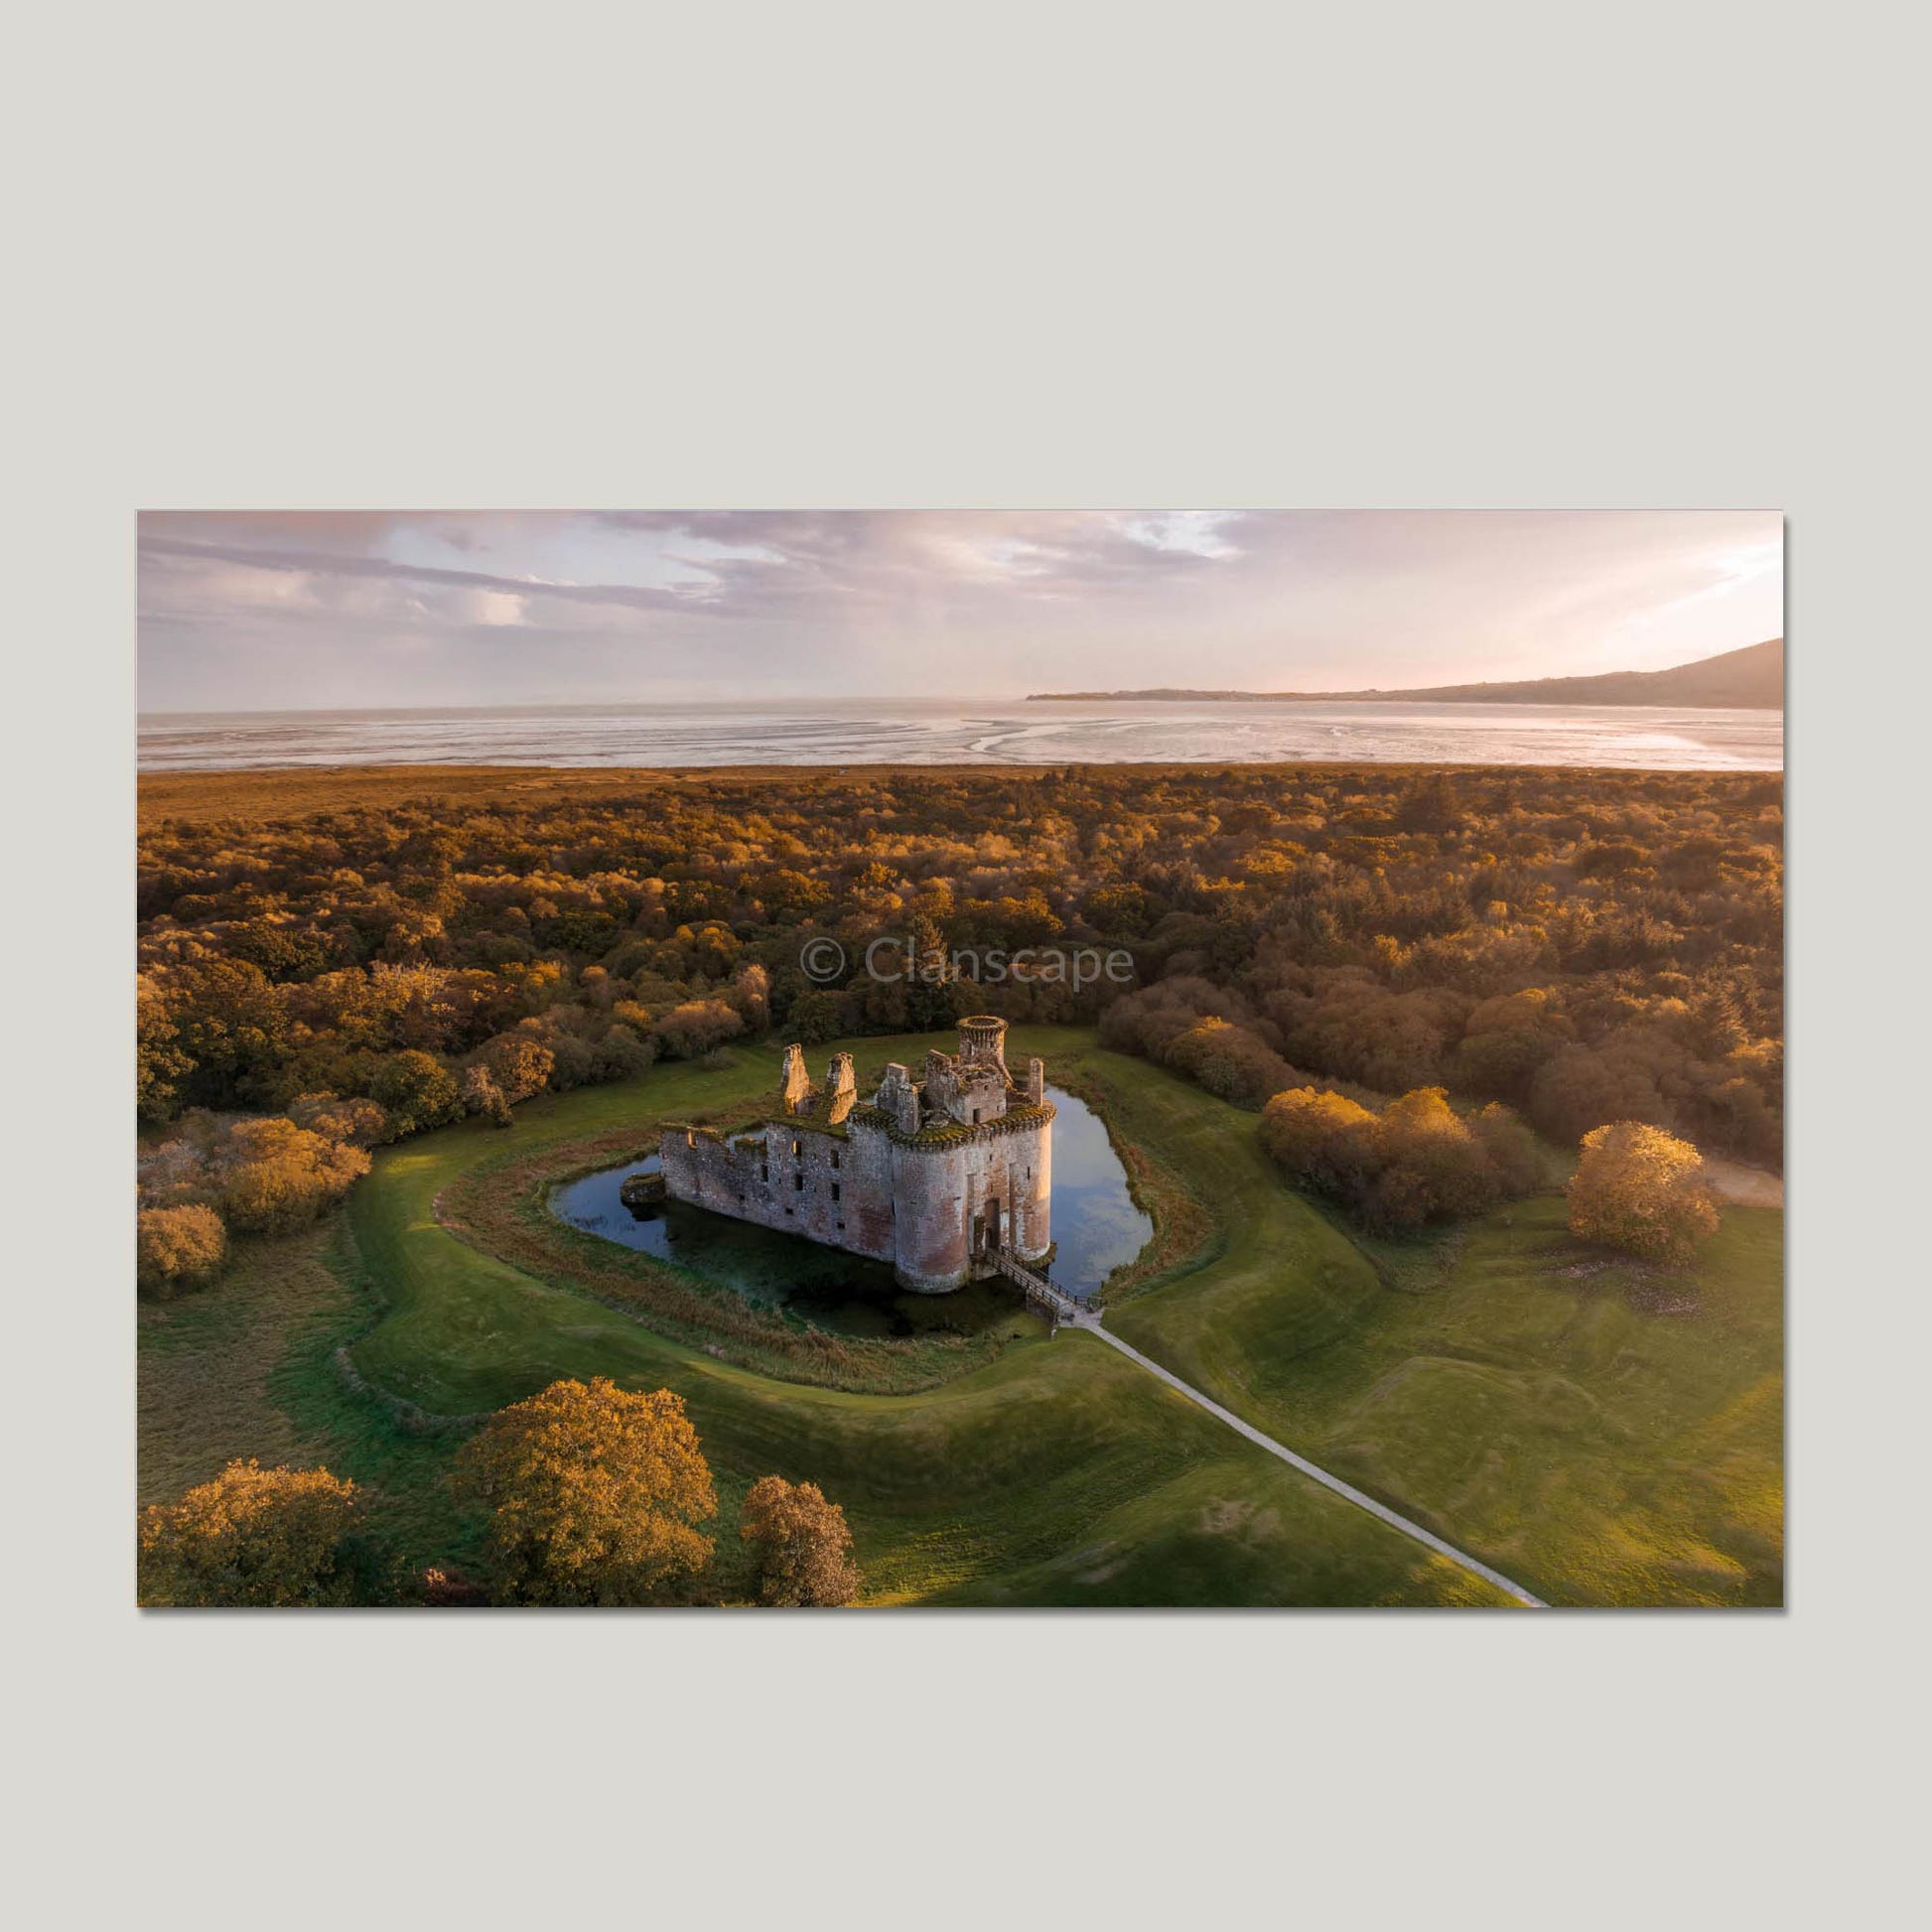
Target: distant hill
{"type": "Point", "coordinates": [1751, 679]}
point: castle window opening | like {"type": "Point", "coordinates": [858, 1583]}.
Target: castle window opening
{"type": "Point", "coordinates": [941, 1207]}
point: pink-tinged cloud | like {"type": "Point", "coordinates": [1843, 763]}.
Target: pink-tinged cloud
{"type": "Point", "coordinates": [244, 610]}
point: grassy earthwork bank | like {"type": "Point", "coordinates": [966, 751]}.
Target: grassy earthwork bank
{"type": "Point", "coordinates": [1600, 1432]}
{"type": "Point", "coordinates": [1600, 1436]}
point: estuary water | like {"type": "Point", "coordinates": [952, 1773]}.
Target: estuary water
{"type": "Point", "coordinates": [939, 731]}
{"type": "Point", "coordinates": [1096, 1228]}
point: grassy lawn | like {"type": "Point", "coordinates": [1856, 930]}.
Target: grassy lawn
{"type": "Point", "coordinates": [1597, 1450]}
{"type": "Point", "coordinates": [208, 1363]}
{"type": "Point", "coordinates": [1601, 1433]}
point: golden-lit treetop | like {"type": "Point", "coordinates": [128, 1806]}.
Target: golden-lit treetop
{"type": "Point", "coordinates": [1642, 1189]}
{"type": "Point", "coordinates": [803, 1547]}
{"type": "Point", "coordinates": [594, 1492]}
{"type": "Point", "coordinates": [250, 1537]}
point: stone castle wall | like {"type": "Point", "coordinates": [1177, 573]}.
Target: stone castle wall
{"type": "Point", "coordinates": [831, 1188]}
{"type": "Point", "coordinates": [928, 1188]}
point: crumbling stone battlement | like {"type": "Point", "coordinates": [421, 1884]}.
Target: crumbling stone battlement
{"type": "Point", "coordinates": [934, 1175]}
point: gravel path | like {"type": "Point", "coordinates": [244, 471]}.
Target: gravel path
{"type": "Point", "coordinates": [1092, 1324]}
{"type": "Point", "coordinates": [1748, 1187]}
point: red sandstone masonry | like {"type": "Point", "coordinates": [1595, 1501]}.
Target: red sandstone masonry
{"type": "Point", "coordinates": [931, 1177]}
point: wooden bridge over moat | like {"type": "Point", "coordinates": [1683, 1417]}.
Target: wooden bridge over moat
{"type": "Point", "coordinates": [1036, 1288]}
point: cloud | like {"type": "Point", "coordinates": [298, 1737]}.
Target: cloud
{"type": "Point", "coordinates": [494, 608]}
{"type": "Point", "coordinates": [314, 564]}
{"type": "Point", "coordinates": [281, 610]}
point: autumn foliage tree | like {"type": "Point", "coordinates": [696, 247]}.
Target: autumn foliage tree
{"type": "Point", "coordinates": [481, 1095]}
{"type": "Point", "coordinates": [259, 1177]}
{"type": "Point", "coordinates": [253, 1536]}
{"type": "Point", "coordinates": [1415, 1163]}
{"type": "Point", "coordinates": [1639, 1188]}
{"type": "Point", "coordinates": [275, 1176]}
{"type": "Point", "coordinates": [803, 1547]}
{"type": "Point", "coordinates": [358, 1123]}
{"type": "Point", "coordinates": [594, 1494]}
{"type": "Point", "coordinates": [692, 1028]}
{"type": "Point", "coordinates": [1586, 946]}
{"type": "Point", "coordinates": [178, 1247]}
{"type": "Point", "coordinates": [518, 1064]}
{"type": "Point", "coordinates": [416, 1090]}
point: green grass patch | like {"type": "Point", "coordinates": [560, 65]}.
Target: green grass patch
{"type": "Point", "coordinates": [1600, 1434]}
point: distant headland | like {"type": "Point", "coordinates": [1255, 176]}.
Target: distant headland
{"type": "Point", "coordinates": [1751, 679]}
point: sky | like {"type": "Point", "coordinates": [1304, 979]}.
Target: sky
{"type": "Point", "coordinates": [272, 610]}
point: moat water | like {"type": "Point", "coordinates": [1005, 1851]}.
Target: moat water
{"type": "Point", "coordinates": [1096, 1228]}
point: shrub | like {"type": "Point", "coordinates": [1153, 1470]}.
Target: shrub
{"type": "Point", "coordinates": [620, 1053]}
{"type": "Point", "coordinates": [1512, 1149]}
{"type": "Point", "coordinates": [481, 1095]}
{"type": "Point", "coordinates": [275, 1176]}
{"type": "Point", "coordinates": [1579, 1087]}
{"type": "Point", "coordinates": [1436, 1167]}
{"type": "Point", "coordinates": [695, 1026]}
{"type": "Point", "coordinates": [178, 1247]}
{"type": "Point", "coordinates": [175, 1175]}
{"type": "Point", "coordinates": [1325, 1139]}
{"type": "Point", "coordinates": [1143, 1021]}
{"type": "Point", "coordinates": [252, 1536]}
{"type": "Point", "coordinates": [358, 1123]}
{"type": "Point", "coordinates": [1641, 1189]}
{"type": "Point", "coordinates": [1415, 1163]}
{"type": "Point", "coordinates": [1228, 1060]}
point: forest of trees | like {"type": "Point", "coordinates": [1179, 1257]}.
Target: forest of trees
{"type": "Point", "coordinates": [1395, 969]}
{"type": "Point", "coordinates": [1581, 946]}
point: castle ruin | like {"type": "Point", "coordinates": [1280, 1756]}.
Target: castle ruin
{"type": "Point", "coordinates": [936, 1175]}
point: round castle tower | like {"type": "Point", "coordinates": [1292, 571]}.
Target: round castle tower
{"type": "Point", "coordinates": [983, 1042]}
{"type": "Point", "coordinates": [977, 1175]}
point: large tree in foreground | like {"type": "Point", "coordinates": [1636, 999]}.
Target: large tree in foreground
{"type": "Point", "coordinates": [803, 1547]}
{"type": "Point", "coordinates": [594, 1494]}
{"type": "Point", "coordinates": [1641, 1189]}
{"type": "Point", "coordinates": [253, 1537]}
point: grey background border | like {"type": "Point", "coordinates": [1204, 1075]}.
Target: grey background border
{"type": "Point", "coordinates": [1487, 256]}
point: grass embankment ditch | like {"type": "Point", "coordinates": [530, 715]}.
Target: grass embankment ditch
{"type": "Point", "coordinates": [500, 1204]}
{"type": "Point", "coordinates": [1546, 1419]}
{"type": "Point", "coordinates": [1601, 1432]}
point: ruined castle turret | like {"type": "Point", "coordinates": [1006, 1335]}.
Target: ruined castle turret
{"type": "Point", "coordinates": [841, 1088]}
{"type": "Point", "coordinates": [795, 1083]}
{"type": "Point", "coordinates": [899, 1099]}
{"type": "Point", "coordinates": [934, 1175]}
